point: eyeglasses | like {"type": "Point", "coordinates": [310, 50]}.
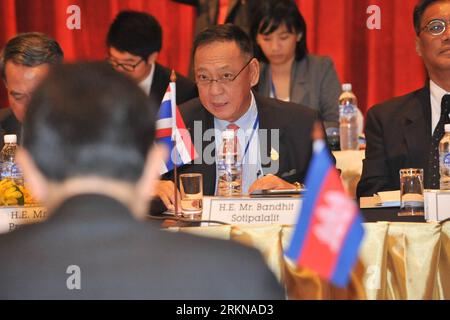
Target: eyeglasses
{"type": "Point", "coordinates": [125, 66]}
{"type": "Point", "coordinates": [436, 27]}
{"type": "Point", "coordinates": [227, 78]}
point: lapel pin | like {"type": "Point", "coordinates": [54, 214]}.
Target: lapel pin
{"type": "Point", "coordinates": [274, 155]}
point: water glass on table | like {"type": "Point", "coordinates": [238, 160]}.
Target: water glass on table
{"type": "Point", "coordinates": [411, 192]}
{"type": "Point", "coordinates": [191, 191]}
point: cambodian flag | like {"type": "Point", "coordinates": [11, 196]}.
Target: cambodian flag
{"type": "Point", "coordinates": [329, 228]}
{"type": "Point", "coordinates": [171, 131]}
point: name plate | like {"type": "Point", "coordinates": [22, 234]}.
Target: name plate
{"type": "Point", "coordinates": [437, 205]}
{"type": "Point", "coordinates": [239, 211]}
{"type": "Point", "coordinates": [11, 217]}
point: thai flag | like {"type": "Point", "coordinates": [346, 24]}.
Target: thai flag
{"type": "Point", "coordinates": [329, 228]}
{"type": "Point", "coordinates": [171, 131]}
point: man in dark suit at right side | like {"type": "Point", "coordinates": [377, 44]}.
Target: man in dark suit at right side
{"type": "Point", "coordinates": [24, 62]}
{"type": "Point", "coordinates": [405, 132]}
{"type": "Point", "coordinates": [94, 181]}
{"type": "Point", "coordinates": [134, 41]}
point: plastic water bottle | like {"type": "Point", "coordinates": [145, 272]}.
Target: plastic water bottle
{"type": "Point", "coordinates": [444, 159]}
{"type": "Point", "coordinates": [9, 167]}
{"type": "Point", "coordinates": [229, 166]}
{"type": "Point", "coordinates": [348, 119]}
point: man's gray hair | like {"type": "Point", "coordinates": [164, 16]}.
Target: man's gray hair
{"type": "Point", "coordinates": [31, 49]}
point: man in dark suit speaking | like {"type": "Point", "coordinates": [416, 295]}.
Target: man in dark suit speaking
{"type": "Point", "coordinates": [88, 156]}
{"type": "Point", "coordinates": [275, 137]}
{"type": "Point", "coordinates": [134, 41]}
{"type": "Point", "coordinates": [405, 132]}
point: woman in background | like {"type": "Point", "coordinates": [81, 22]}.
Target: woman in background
{"type": "Point", "coordinates": [288, 72]}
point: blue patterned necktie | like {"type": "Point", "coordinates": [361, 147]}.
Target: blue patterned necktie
{"type": "Point", "coordinates": [433, 160]}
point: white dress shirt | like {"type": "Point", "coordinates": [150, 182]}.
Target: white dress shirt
{"type": "Point", "coordinates": [251, 163]}
{"type": "Point", "coordinates": [146, 84]}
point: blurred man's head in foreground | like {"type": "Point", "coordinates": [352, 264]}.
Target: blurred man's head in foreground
{"type": "Point", "coordinates": [86, 126]}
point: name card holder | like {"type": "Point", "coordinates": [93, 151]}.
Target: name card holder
{"type": "Point", "coordinates": [437, 205]}
{"type": "Point", "coordinates": [255, 211]}
{"type": "Point", "coordinates": [11, 217]}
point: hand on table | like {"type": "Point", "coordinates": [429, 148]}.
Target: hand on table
{"type": "Point", "coordinates": [165, 191]}
{"type": "Point", "coordinates": [270, 182]}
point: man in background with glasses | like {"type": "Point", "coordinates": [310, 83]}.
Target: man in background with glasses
{"type": "Point", "coordinates": [405, 132]}
{"type": "Point", "coordinates": [24, 62]}
{"type": "Point", "coordinates": [134, 41]}
{"type": "Point", "coordinates": [275, 137]}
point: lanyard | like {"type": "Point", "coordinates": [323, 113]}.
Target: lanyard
{"type": "Point", "coordinates": [273, 93]}
{"type": "Point", "coordinates": [255, 125]}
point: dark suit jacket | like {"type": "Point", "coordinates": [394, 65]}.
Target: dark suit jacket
{"type": "Point", "coordinates": [293, 121]}
{"type": "Point", "coordinates": [314, 83]}
{"type": "Point", "coordinates": [398, 134]}
{"type": "Point", "coordinates": [9, 125]}
{"type": "Point", "coordinates": [186, 89]}
{"type": "Point", "coordinates": [121, 258]}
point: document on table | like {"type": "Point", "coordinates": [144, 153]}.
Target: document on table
{"type": "Point", "coordinates": [385, 199]}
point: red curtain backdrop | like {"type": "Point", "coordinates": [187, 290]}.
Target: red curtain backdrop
{"type": "Point", "coordinates": [380, 63]}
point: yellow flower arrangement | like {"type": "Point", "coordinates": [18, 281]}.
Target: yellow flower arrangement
{"type": "Point", "coordinates": [12, 194]}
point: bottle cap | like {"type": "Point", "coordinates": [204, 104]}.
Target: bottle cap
{"type": "Point", "coordinates": [10, 138]}
{"type": "Point", "coordinates": [228, 134]}
{"type": "Point", "coordinates": [447, 128]}
{"type": "Point", "coordinates": [347, 87]}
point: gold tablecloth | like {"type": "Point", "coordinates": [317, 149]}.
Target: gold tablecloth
{"type": "Point", "coordinates": [396, 261]}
